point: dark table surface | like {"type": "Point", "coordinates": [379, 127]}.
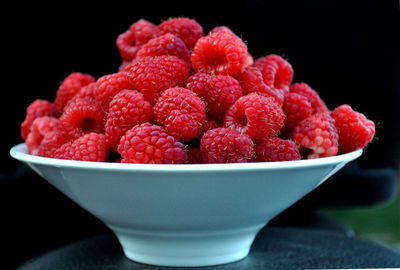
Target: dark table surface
{"type": "Point", "coordinates": [274, 248]}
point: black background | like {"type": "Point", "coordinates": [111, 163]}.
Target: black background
{"type": "Point", "coordinates": [349, 51]}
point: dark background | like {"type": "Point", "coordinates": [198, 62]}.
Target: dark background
{"type": "Point", "coordinates": [349, 51]}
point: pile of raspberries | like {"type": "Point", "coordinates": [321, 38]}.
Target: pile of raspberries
{"type": "Point", "coordinates": [181, 96]}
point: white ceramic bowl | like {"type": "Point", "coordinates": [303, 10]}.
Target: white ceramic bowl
{"type": "Point", "coordinates": [185, 215]}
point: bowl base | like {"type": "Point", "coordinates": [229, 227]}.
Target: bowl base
{"type": "Point", "coordinates": [186, 249]}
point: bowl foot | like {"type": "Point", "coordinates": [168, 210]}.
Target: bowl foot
{"type": "Point", "coordinates": [188, 249]}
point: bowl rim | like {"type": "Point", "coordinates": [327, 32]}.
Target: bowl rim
{"type": "Point", "coordinates": [19, 152]}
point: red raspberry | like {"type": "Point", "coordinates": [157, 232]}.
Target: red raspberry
{"type": "Point", "coordinates": [251, 80]}
{"type": "Point", "coordinates": [200, 84]}
{"type": "Point", "coordinates": [129, 42]}
{"type": "Point", "coordinates": [87, 91]}
{"type": "Point", "coordinates": [208, 124]}
{"type": "Point", "coordinates": [318, 134]}
{"type": "Point", "coordinates": [227, 30]}
{"type": "Point", "coordinates": [355, 130]}
{"type": "Point", "coordinates": [222, 29]}
{"type": "Point", "coordinates": [126, 45]}
{"type": "Point", "coordinates": [167, 44]}
{"type": "Point", "coordinates": [147, 143]}
{"type": "Point", "coordinates": [317, 104]}
{"type": "Point", "coordinates": [143, 31]}
{"type": "Point", "coordinates": [37, 109]}
{"type": "Point", "coordinates": [220, 53]}
{"type": "Point", "coordinates": [276, 71]}
{"type": "Point", "coordinates": [195, 156]}
{"type": "Point", "coordinates": [296, 108]}
{"type": "Point", "coordinates": [276, 149]}
{"type": "Point", "coordinates": [186, 29]}
{"type": "Point", "coordinates": [127, 109]}
{"type": "Point", "coordinates": [40, 127]}
{"type": "Point", "coordinates": [123, 65]}
{"type": "Point", "coordinates": [225, 145]}
{"type": "Point", "coordinates": [50, 143]}
{"type": "Point", "coordinates": [89, 147]}
{"type": "Point", "coordinates": [109, 85]}
{"type": "Point", "coordinates": [153, 75]}
{"type": "Point", "coordinates": [70, 87]}
{"type": "Point", "coordinates": [218, 92]}
{"type": "Point", "coordinates": [257, 116]}
{"type": "Point", "coordinates": [181, 112]}
{"type": "Point", "coordinates": [83, 116]}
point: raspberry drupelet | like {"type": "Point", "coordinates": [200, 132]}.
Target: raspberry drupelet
{"type": "Point", "coordinates": [147, 143]}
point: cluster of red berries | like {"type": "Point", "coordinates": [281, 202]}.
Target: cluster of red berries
{"type": "Point", "coordinates": [180, 96]}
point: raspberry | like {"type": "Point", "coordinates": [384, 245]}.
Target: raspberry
{"type": "Point", "coordinates": [225, 145]}
{"type": "Point", "coordinates": [257, 116]}
{"type": "Point", "coordinates": [186, 29]}
{"type": "Point", "coordinates": [227, 30]}
{"type": "Point", "coordinates": [51, 142]}
{"type": "Point", "coordinates": [123, 65]}
{"type": "Point", "coordinates": [147, 143]}
{"type": "Point", "coordinates": [251, 80]}
{"type": "Point", "coordinates": [167, 44]}
{"type": "Point", "coordinates": [143, 31]}
{"type": "Point", "coordinates": [127, 109]}
{"type": "Point", "coordinates": [276, 71]}
{"type": "Point", "coordinates": [129, 42]}
{"type": "Point", "coordinates": [221, 54]}
{"type": "Point", "coordinates": [317, 104]}
{"type": "Point", "coordinates": [222, 29]}
{"type": "Point", "coordinates": [109, 85]}
{"type": "Point", "coordinates": [208, 124]}
{"type": "Point", "coordinates": [83, 116]}
{"type": "Point", "coordinates": [296, 108]}
{"type": "Point", "coordinates": [318, 134]}
{"type": "Point", "coordinates": [195, 156]}
{"type": "Point", "coordinates": [89, 147]}
{"type": "Point", "coordinates": [87, 91]}
{"type": "Point", "coordinates": [70, 87]}
{"type": "Point", "coordinates": [37, 109]}
{"type": "Point", "coordinates": [355, 130]}
{"type": "Point", "coordinates": [40, 127]}
{"type": "Point", "coordinates": [218, 92]}
{"type": "Point", "coordinates": [153, 75]}
{"type": "Point", "coordinates": [181, 112]}
{"type": "Point", "coordinates": [276, 149]}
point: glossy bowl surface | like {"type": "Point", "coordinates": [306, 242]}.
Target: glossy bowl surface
{"type": "Point", "coordinates": [185, 215]}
